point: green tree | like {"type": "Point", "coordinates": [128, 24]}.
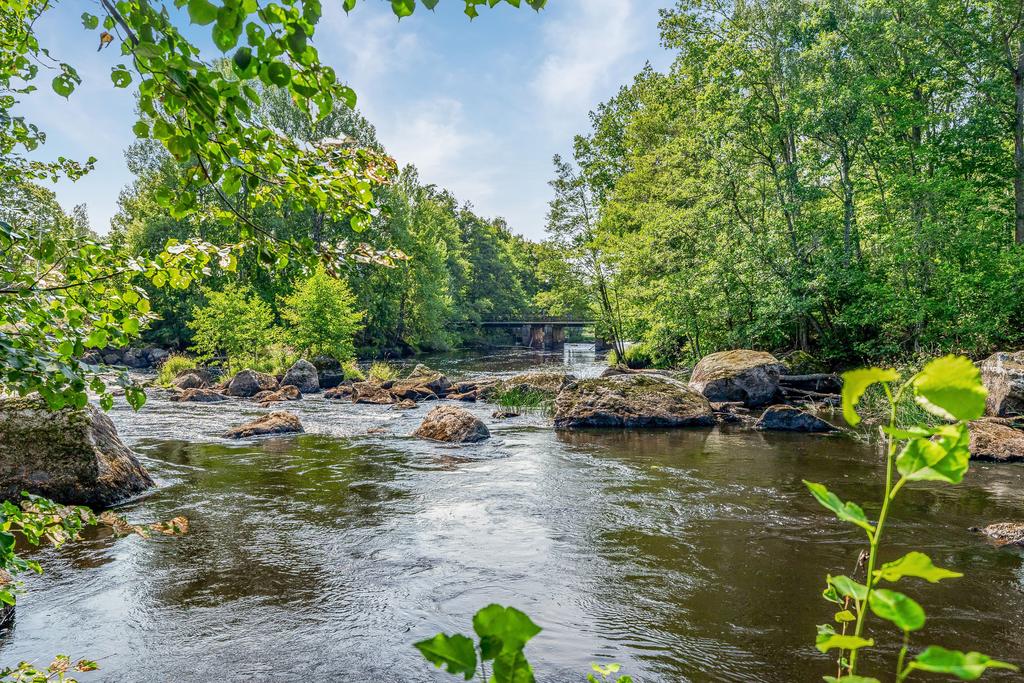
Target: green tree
{"type": "Point", "coordinates": [322, 316]}
{"type": "Point", "coordinates": [235, 324]}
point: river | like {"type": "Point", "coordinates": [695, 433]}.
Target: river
{"type": "Point", "coordinates": [684, 555]}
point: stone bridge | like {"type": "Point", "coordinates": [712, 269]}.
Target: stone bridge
{"type": "Point", "coordinates": [540, 332]}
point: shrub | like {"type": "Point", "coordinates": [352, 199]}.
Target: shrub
{"type": "Point", "coordinates": [323, 316]}
{"type": "Point", "coordinates": [382, 372]}
{"type": "Point", "coordinates": [351, 372]}
{"type": "Point", "coordinates": [949, 389]}
{"type": "Point", "coordinates": [174, 365]}
{"type": "Point", "coordinates": [275, 360]}
{"type": "Point", "coordinates": [234, 323]}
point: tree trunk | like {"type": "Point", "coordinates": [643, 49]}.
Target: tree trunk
{"type": "Point", "coordinates": [1018, 145]}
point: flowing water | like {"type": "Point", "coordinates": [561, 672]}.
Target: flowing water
{"type": "Point", "coordinates": [684, 555]}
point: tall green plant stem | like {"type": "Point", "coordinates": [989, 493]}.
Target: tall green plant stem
{"type": "Point", "coordinates": [876, 538]}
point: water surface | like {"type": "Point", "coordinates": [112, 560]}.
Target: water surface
{"type": "Point", "coordinates": [685, 555]}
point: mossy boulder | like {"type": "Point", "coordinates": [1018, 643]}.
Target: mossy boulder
{"type": "Point", "coordinates": [1003, 376]}
{"type": "Point", "coordinates": [631, 401]}
{"type": "Point", "coordinates": [784, 418]}
{"type": "Point", "coordinates": [452, 425]}
{"type": "Point", "coordinates": [73, 456]}
{"type": "Point", "coordinates": [546, 383]}
{"type": "Point", "coordinates": [751, 377]}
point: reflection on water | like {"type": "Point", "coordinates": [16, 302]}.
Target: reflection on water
{"type": "Point", "coordinates": [684, 555]}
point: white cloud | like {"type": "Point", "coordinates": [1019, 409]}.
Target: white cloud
{"type": "Point", "coordinates": [436, 136]}
{"type": "Point", "coordinates": [588, 45]}
{"type": "Point", "coordinates": [365, 46]}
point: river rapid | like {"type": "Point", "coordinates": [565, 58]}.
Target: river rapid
{"type": "Point", "coordinates": [684, 555]}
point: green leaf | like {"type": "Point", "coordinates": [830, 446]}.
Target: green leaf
{"type": "Point", "coordinates": [279, 74]}
{"type": "Point", "coordinates": [896, 607]}
{"type": "Point", "coordinates": [202, 12]}
{"type": "Point", "coordinates": [403, 8]}
{"type": "Point", "coordinates": [917, 565]}
{"type": "Point", "coordinates": [512, 627]}
{"type": "Point", "coordinates": [945, 457]}
{"type": "Point", "coordinates": [855, 383]}
{"type": "Point", "coordinates": [90, 21]}
{"type": "Point", "coordinates": [63, 86]}
{"type": "Point", "coordinates": [965, 666]}
{"type": "Point", "coordinates": [121, 78]}
{"type": "Point", "coordinates": [97, 339]}
{"type": "Point", "coordinates": [847, 587]}
{"type": "Point", "coordinates": [141, 129]}
{"type": "Point", "coordinates": [511, 667]}
{"type": "Point", "coordinates": [848, 512]}
{"type": "Point", "coordinates": [845, 617]}
{"type": "Point", "coordinates": [950, 387]}
{"type": "Point", "coordinates": [456, 652]}
{"type": "Point", "coordinates": [827, 639]}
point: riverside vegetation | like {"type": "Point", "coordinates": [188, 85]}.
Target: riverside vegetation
{"type": "Point", "coordinates": [842, 179]}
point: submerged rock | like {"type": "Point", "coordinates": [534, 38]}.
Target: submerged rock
{"type": "Point", "coordinates": [790, 419]}
{"type": "Point", "coordinates": [339, 392]}
{"type": "Point", "coordinates": [1003, 376]}
{"type": "Point", "coordinates": [199, 396]}
{"type": "Point", "coordinates": [73, 456]}
{"type": "Point", "coordinates": [303, 375]}
{"type": "Point", "coordinates": [189, 380]}
{"type": "Point", "coordinates": [404, 404]}
{"type": "Point", "coordinates": [452, 425]}
{"type": "Point", "coordinates": [277, 422]}
{"type": "Point", "coordinates": [422, 385]}
{"type": "Point", "coordinates": [248, 383]}
{"type": "Point", "coordinates": [288, 392]}
{"type": "Point", "coordinates": [1005, 533]}
{"type": "Point", "coordinates": [743, 375]}
{"type": "Point", "coordinates": [504, 414]}
{"type": "Point", "coordinates": [373, 394]}
{"type": "Point", "coordinates": [631, 401]}
{"type": "Point", "coordinates": [995, 440]}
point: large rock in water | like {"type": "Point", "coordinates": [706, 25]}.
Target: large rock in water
{"type": "Point", "coordinates": [992, 439]}
{"type": "Point", "coordinates": [199, 396]}
{"type": "Point", "coordinates": [789, 419]}
{"type": "Point", "coordinates": [304, 376]}
{"type": "Point", "coordinates": [248, 383]}
{"type": "Point", "coordinates": [1003, 376]}
{"type": "Point", "coordinates": [1005, 533]}
{"type": "Point", "coordinates": [631, 401]}
{"type": "Point", "coordinates": [73, 456]}
{"type": "Point", "coordinates": [751, 377]}
{"type": "Point", "coordinates": [453, 425]}
{"type": "Point", "coordinates": [277, 422]}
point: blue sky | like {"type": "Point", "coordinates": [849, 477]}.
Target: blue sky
{"type": "Point", "coordinates": [479, 108]}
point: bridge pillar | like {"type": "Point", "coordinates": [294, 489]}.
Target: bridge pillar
{"type": "Point", "coordinates": [536, 337]}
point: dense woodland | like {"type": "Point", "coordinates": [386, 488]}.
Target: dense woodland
{"type": "Point", "coordinates": [840, 177]}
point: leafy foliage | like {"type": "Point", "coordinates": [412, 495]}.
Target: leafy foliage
{"type": "Point", "coordinates": [36, 520]}
{"type": "Point", "coordinates": [323, 318]}
{"type": "Point", "coordinates": [846, 178]}
{"type": "Point", "coordinates": [234, 324]}
{"type": "Point", "coordinates": [174, 365]}
{"type": "Point", "coordinates": [56, 672]}
{"type": "Point", "coordinates": [61, 295]}
{"type": "Point", "coordinates": [951, 389]}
